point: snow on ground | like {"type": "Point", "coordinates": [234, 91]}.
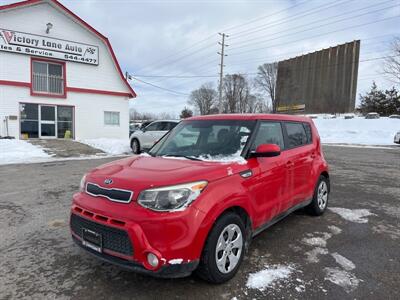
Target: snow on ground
{"type": "Point", "coordinates": [353, 215]}
{"type": "Point", "coordinates": [357, 131]}
{"type": "Point", "coordinates": [345, 263]}
{"type": "Point", "coordinates": [342, 278]}
{"type": "Point", "coordinates": [269, 277]}
{"type": "Point", "coordinates": [19, 151]}
{"type": "Point", "coordinates": [110, 146]}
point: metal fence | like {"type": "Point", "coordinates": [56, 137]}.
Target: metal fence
{"type": "Point", "coordinates": [43, 83]}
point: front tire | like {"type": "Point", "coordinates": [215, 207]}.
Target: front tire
{"type": "Point", "coordinates": [320, 199]}
{"type": "Point", "coordinates": [135, 146]}
{"type": "Point", "coordinates": [224, 249]}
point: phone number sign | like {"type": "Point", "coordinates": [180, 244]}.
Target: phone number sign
{"type": "Point", "coordinates": [37, 45]}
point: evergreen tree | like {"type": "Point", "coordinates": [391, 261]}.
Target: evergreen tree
{"type": "Point", "coordinates": [186, 113]}
{"type": "Point", "coordinates": [383, 102]}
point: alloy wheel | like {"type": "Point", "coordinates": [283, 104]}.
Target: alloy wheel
{"type": "Point", "coordinates": [322, 195]}
{"type": "Point", "coordinates": [229, 248]}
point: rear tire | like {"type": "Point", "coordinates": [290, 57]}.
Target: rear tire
{"type": "Point", "coordinates": [320, 199]}
{"type": "Point", "coordinates": [135, 146]}
{"type": "Point", "coordinates": [224, 249]}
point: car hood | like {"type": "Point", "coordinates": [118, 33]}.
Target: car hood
{"type": "Point", "coordinates": [143, 172]}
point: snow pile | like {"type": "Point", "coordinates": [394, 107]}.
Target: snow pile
{"type": "Point", "coordinates": [19, 151]}
{"type": "Point", "coordinates": [357, 131]}
{"type": "Point", "coordinates": [110, 146]}
{"type": "Point", "coordinates": [269, 277]}
{"type": "Point", "coordinates": [353, 215]}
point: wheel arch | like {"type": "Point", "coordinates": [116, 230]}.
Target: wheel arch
{"type": "Point", "coordinates": [236, 208]}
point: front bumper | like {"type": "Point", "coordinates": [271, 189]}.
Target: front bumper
{"type": "Point", "coordinates": [166, 271]}
{"type": "Point", "coordinates": [175, 238]}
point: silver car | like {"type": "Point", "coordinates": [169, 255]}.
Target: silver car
{"type": "Point", "coordinates": [145, 138]}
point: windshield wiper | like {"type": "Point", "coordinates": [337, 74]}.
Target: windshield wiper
{"type": "Point", "coordinates": [184, 156]}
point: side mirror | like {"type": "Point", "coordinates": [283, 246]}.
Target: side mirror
{"type": "Point", "coordinates": [266, 150]}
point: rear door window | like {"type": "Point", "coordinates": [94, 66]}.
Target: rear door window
{"type": "Point", "coordinates": [269, 133]}
{"type": "Point", "coordinates": [154, 126]}
{"type": "Point", "coordinates": [171, 125]}
{"type": "Point", "coordinates": [296, 134]}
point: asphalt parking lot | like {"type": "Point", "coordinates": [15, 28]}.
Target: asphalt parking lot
{"type": "Point", "coordinates": [330, 257]}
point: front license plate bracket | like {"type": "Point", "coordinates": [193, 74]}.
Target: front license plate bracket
{"type": "Point", "coordinates": [92, 240]}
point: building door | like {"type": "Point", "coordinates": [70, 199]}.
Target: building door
{"type": "Point", "coordinates": [47, 121]}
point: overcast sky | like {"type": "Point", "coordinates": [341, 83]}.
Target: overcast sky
{"type": "Point", "coordinates": [180, 38]}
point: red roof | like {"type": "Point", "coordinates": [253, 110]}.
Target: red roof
{"type": "Point", "coordinates": [82, 22]}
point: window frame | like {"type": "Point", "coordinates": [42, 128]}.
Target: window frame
{"type": "Point", "coordinates": [286, 136]}
{"type": "Point", "coordinates": [64, 77]}
{"type": "Point", "coordinates": [112, 112]}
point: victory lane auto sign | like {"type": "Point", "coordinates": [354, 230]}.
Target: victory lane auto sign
{"type": "Point", "coordinates": [37, 45]}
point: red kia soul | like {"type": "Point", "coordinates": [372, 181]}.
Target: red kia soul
{"type": "Point", "coordinates": [195, 201]}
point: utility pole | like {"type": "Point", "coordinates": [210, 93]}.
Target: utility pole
{"type": "Point", "coordinates": [221, 73]}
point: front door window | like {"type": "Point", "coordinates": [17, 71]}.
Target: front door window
{"type": "Point", "coordinates": [47, 121]}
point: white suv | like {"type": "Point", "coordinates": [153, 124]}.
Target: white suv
{"type": "Point", "coordinates": [145, 138]}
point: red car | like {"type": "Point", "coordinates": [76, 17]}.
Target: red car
{"type": "Point", "coordinates": [195, 201]}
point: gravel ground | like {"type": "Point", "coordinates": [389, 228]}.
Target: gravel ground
{"type": "Point", "coordinates": [350, 252]}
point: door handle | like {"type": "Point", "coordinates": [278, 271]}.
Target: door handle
{"type": "Point", "coordinates": [313, 155]}
{"type": "Point", "coordinates": [289, 164]}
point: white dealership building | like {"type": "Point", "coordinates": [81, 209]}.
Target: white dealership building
{"type": "Point", "coordinates": [59, 77]}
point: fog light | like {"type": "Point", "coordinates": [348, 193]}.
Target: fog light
{"type": "Point", "coordinates": [152, 260]}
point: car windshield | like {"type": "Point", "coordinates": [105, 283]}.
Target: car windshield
{"type": "Point", "coordinates": [221, 140]}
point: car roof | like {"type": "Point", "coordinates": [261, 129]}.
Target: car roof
{"type": "Point", "coordinates": [278, 117]}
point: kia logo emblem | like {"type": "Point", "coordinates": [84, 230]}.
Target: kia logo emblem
{"type": "Point", "coordinates": [108, 181]}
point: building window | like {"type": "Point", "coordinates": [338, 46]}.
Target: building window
{"type": "Point", "coordinates": [111, 118]}
{"type": "Point", "coordinates": [47, 78]}
{"type": "Point", "coordinates": [29, 116]}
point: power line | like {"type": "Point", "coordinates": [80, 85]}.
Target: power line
{"type": "Point", "coordinates": [318, 35]}
{"type": "Point", "coordinates": [265, 16]}
{"type": "Point", "coordinates": [156, 63]}
{"type": "Point", "coordinates": [255, 73]}
{"type": "Point", "coordinates": [274, 58]}
{"type": "Point", "coordinates": [160, 87]}
{"type": "Point", "coordinates": [319, 26]}
{"type": "Point", "coordinates": [299, 15]}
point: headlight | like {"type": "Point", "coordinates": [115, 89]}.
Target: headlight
{"type": "Point", "coordinates": [171, 197]}
{"type": "Point", "coordinates": [82, 184]}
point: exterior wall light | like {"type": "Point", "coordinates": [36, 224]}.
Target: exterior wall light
{"type": "Point", "coordinates": [49, 26]}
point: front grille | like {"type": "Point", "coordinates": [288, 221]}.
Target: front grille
{"type": "Point", "coordinates": [117, 195]}
{"type": "Point", "coordinates": [113, 239]}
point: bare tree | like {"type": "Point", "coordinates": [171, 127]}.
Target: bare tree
{"type": "Point", "coordinates": [204, 99]}
{"type": "Point", "coordinates": [266, 81]}
{"type": "Point", "coordinates": [392, 62]}
{"type": "Point", "coordinates": [236, 94]}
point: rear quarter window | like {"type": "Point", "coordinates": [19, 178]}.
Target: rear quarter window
{"type": "Point", "coordinates": [307, 128]}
